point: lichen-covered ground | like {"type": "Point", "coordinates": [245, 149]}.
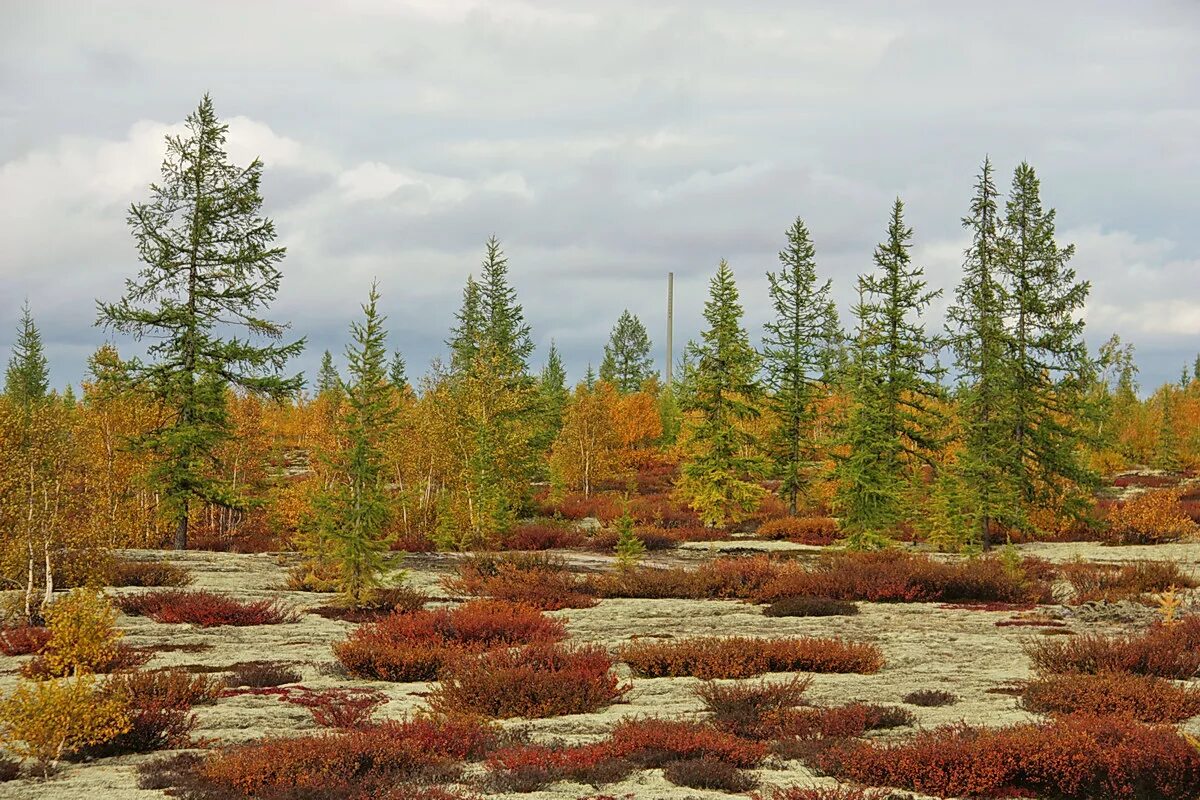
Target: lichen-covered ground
{"type": "Point", "coordinates": [926, 646]}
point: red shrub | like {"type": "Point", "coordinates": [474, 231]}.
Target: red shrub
{"type": "Point", "coordinates": [729, 578]}
{"type": "Point", "coordinates": [341, 708]}
{"type": "Point", "coordinates": [536, 580]}
{"type": "Point", "coordinates": [159, 705]}
{"type": "Point", "coordinates": [23, 641]}
{"type": "Point", "coordinates": [819, 531]}
{"type": "Point", "coordinates": [1166, 651]}
{"type": "Point", "coordinates": [260, 674]}
{"type": "Point", "coordinates": [1145, 698]}
{"type": "Point", "coordinates": [740, 657]}
{"type": "Point", "coordinates": [541, 680]}
{"type": "Point", "coordinates": [1112, 583]}
{"type": "Point", "coordinates": [1074, 758]}
{"type": "Point", "coordinates": [752, 710]}
{"type": "Point", "coordinates": [412, 543]}
{"type": "Point", "coordinates": [205, 609]}
{"type": "Point", "coordinates": [414, 647]}
{"type": "Point", "coordinates": [661, 511]}
{"type": "Point", "coordinates": [603, 507]}
{"type": "Point", "coordinates": [707, 773]}
{"type": "Point", "coordinates": [805, 793]}
{"type": "Point", "coordinates": [605, 541]}
{"type": "Point", "coordinates": [362, 762]}
{"type": "Point", "coordinates": [126, 572]}
{"type": "Point", "coordinates": [541, 536]}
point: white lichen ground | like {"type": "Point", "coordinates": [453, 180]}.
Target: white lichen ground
{"type": "Point", "coordinates": [925, 647]}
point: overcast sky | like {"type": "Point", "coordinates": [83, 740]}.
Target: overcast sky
{"type": "Point", "coordinates": [605, 143]}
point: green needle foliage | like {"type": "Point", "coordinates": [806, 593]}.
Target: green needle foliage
{"type": "Point", "coordinates": [209, 264]}
{"type": "Point", "coordinates": [719, 478]}
{"type": "Point", "coordinates": [27, 379]}
{"type": "Point", "coordinates": [895, 423]}
{"type": "Point", "coordinates": [353, 512]}
{"type": "Point", "coordinates": [796, 356]}
{"type": "Point", "coordinates": [328, 380]}
{"type": "Point", "coordinates": [629, 548]}
{"type": "Point", "coordinates": [627, 362]}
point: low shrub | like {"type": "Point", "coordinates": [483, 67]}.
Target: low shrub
{"type": "Point", "coordinates": [321, 577]}
{"type": "Point", "coordinates": [1151, 517]}
{"type": "Point", "coordinates": [126, 572]}
{"type": "Point", "coordinates": [811, 607]}
{"type": "Point", "coordinates": [721, 578]}
{"type": "Point", "coordinates": [604, 507]}
{"type": "Point", "coordinates": [661, 511]}
{"type": "Point", "coordinates": [931, 698]}
{"type": "Point", "coordinates": [707, 773]}
{"type": "Point", "coordinates": [533, 579]}
{"type": "Point", "coordinates": [752, 710]}
{"type": "Point", "coordinates": [742, 657]}
{"type": "Point", "coordinates": [896, 576]}
{"type": "Point", "coordinates": [1110, 583]}
{"type": "Point", "coordinates": [653, 539]}
{"type": "Point", "coordinates": [809, 793]}
{"type": "Point", "coordinates": [379, 604]}
{"type": "Point", "coordinates": [158, 705]}
{"type": "Point", "coordinates": [542, 535]}
{"type": "Point", "coordinates": [817, 531]}
{"type": "Point", "coordinates": [415, 646]}
{"type": "Point", "coordinates": [840, 722]}
{"type": "Point", "coordinates": [540, 680]}
{"type": "Point", "coordinates": [206, 609]}
{"type": "Point", "coordinates": [1072, 758]}
{"type": "Point", "coordinates": [83, 638]}
{"type": "Point", "coordinates": [52, 719]}
{"type": "Point", "coordinates": [340, 708]}
{"type": "Point", "coordinates": [1145, 698]}
{"type": "Point", "coordinates": [257, 674]}
{"type": "Point", "coordinates": [23, 640]}
{"type": "Point", "coordinates": [10, 769]}
{"type": "Point", "coordinates": [1165, 651]}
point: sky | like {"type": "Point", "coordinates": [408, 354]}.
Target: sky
{"type": "Point", "coordinates": [606, 144]}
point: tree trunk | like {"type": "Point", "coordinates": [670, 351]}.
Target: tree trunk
{"type": "Point", "coordinates": [181, 532]}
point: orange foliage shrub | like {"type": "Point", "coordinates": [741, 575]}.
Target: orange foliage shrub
{"type": "Point", "coordinates": [1166, 651]}
{"type": "Point", "coordinates": [742, 657]}
{"type": "Point", "coordinates": [1145, 698]}
{"type": "Point", "coordinates": [206, 609]}
{"type": "Point", "coordinates": [541, 680]}
{"type": "Point", "coordinates": [536, 580]}
{"type": "Point", "coordinates": [1114, 582]}
{"type": "Point", "coordinates": [730, 578]}
{"type": "Point", "coordinates": [1073, 758]}
{"type": "Point", "coordinates": [541, 536]}
{"type": "Point", "coordinates": [1151, 517]}
{"type": "Point", "coordinates": [818, 531]}
{"type": "Point", "coordinates": [604, 507]}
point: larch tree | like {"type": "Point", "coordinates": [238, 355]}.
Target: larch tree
{"type": "Point", "coordinates": [1050, 366]}
{"type": "Point", "coordinates": [895, 421]}
{"type": "Point", "coordinates": [210, 263]}
{"type": "Point", "coordinates": [627, 362]}
{"type": "Point", "coordinates": [793, 353]}
{"type": "Point", "coordinates": [981, 342]}
{"type": "Point", "coordinates": [720, 474]}
{"type": "Point", "coordinates": [352, 514]}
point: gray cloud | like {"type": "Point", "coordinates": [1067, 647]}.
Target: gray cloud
{"type": "Point", "coordinates": [606, 144]}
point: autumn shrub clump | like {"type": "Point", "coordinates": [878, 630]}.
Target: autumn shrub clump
{"type": "Point", "coordinates": [537, 580]}
{"type": "Point", "coordinates": [1165, 651]}
{"type": "Point", "coordinates": [205, 609]}
{"type": "Point", "coordinates": [810, 793]}
{"type": "Point", "coordinates": [378, 604]}
{"type": "Point", "coordinates": [1145, 698]}
{"type": "Point", "coordinates": [895, 576]}
{"type": "Point", "coordinates": [23, 640]}
{"type": "Point", "coordinates": [158, 705]}
{"type": "Point", "coordinates": [541, 535]}
{"type": "Point", "coordinates": [83, 638]}
{"type": "Point", "coordinates": [49, 720]}
{"type": "Point", "coordinates": [707, 773]}
{"type": "Point", "coordinates": [1112, 583]}
{"type": "Point", "coordinates": [721, 578]}
{"type": "Point", "coordinates": [817, 531]}
{"type": "Point", "coordinates": [126, 572]}
{"type": "Point", "coordinates": [540, 680]}
{"type": "Point", "coordinates": [1072, 758]}
{"type": "Point", "coordinates": [257, 674]}
{"type": "Point", "coordinates": [930, 698]}
{"type": "Point", "coordinates": [810, 607]}
{"type": "Point", "coordinates": [357, 763]}
{"type": "Point", "coordinates": [415, 646]}
{"type": "Point", "coordinates": [742, 657]}
{"type": "Point", "coordinates": [752, 710]}
{"type": "Point", "coordinates": [1151, 517]}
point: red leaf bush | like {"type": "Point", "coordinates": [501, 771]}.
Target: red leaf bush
{"type": "Point", "coordinates": [817, 531]}
{"type": "Point", "coordinates": [259, 674]}
{"type": "Point", "coordinates": [707, 773]}
{"type": "Point", "coordinates": [414, 647]}
{"type": "Point", "coordinates": [541, 536]}
{"type": "Point", "coordinates": [661, 511]}
{"type": "Point", "coordinates": [721, 578]}
{"type": "Point", "coordinates": [536, 580]}
{"type": "Point", "coordinates": [1111, 583]}
{"type": "Point", "coordinates": [741, 657]}
{"type": "Point", "coordinates": [1144, 698]}
{"type": "Point", "coordinates": [340, 708]}
{"type": "Point", "coordinates": [1165, 651]}
{"type": "Point", "coordinates": [125, 572]}
{"type": "Point", "coordinates": [159, 705]}
{"type": "Point", "coordinates": [24, 640]}
{"type": "Point", "coordinates": [1072, 758]}
{"type": "Point", "coordinates": [807, 793]}
{"type": "Point", "coordinates": [205, 609]}
{"type": "Point", "coordinates": [541, 680]}
{"type": "Point", "coordinates": [381, 603]}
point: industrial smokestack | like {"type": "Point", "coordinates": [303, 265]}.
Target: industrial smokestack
{"type": "Point", "coordinates": [670, 326]}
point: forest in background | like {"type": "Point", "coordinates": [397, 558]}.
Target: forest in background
{"type": "Point", "coordinates": [996, 427]}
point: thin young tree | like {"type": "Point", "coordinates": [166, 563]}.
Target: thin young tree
{"type": "Point", "coordinates": [981, 343]}
{"type": "Point", "coordinates": [504, 326]}
{"type": "Point", "coordinates": [552, 399]}
{"type": "Point", "coordinates": [352, 514]}
{"type": "Point", "coordinates": [794, 354]}
{"type": "Point", "coordinates": [328, 380]}
{"type": "Point", "coordinates": [210, 263]}
{"type": "Point", "coordinates": [1051, 366]}
{"type": "Point", "coordinates": [27, 379]}
{"type": "Point", "coordinates": [720, 475]}
{"type": "Point", "coordinates": [627, 362]}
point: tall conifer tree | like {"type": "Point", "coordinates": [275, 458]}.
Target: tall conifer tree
{"type": "Point", "coordinates": [627, 362]}
{"type": "Point", "coordinates": [328, 379]}
{"type": "Point", "coordinates": [27, 379]}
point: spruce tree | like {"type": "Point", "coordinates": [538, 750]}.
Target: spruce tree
{"type": "Point", "coordinates": [398, 372]}
{"type": "Point", "coordinates": [720, 474]}
{"type": "Point", "coordinates": [627, 362]}
{"type": "Point", "coordinates": [795, 357]}
{"type": "Point", "coordinates": [552, 397]}
{"type": "Point", "coordinates": [328, 379]}
{"type": "Point", "coordinates": [1166, 446]}
{"type": "Point", "coordinates": [895, 422]}
{"type": "Point", "coordinates": [210, 264]}
{"type": "Point", "coordinates": [1050, 361]}
{"type": "Point", "coordinates": [467, 334]}
{"type": "Point", "coordinates": [981, 344]}
{"type": "Point", "coordinates": [353, 512]}
{"type": "Point", "coordinates": [504, 326]}
{"type": "Point", "coordinates": [27, 379]}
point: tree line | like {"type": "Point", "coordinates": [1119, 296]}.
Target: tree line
{"type": "Point", "coordinates": [863, 420]}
